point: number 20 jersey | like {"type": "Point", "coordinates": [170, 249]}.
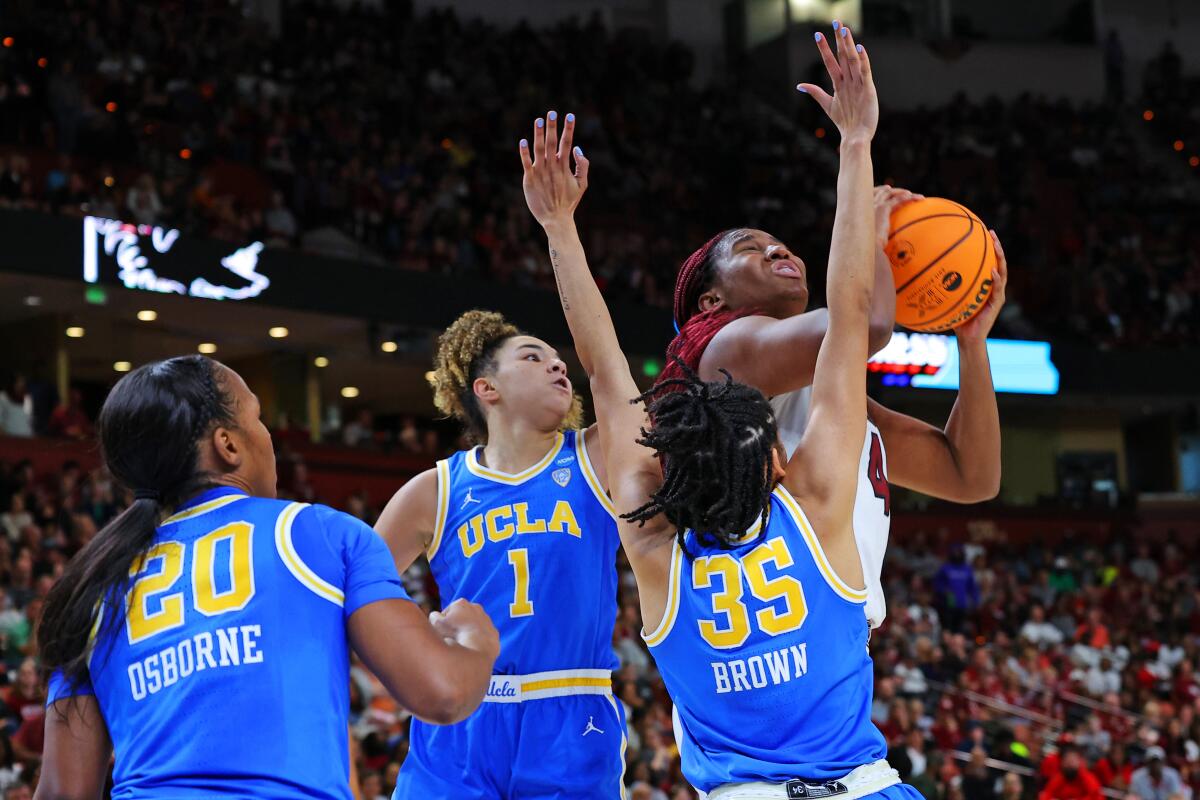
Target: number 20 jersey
{"type": "Point", "coordinates": [537, 550]}
{"type": "Point", "coordinates": [764, 653]}
{"type": "Point", "coordinates": [230, 671]}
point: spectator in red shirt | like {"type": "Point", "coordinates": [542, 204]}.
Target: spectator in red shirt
{"type": "Point", "coordinates": [1073, 781]}
{"type": "Point", "coordinates": [1114, 769]}
{"type": "Point", "coordinates": [69, 419]}
{"type": "Point", "coordinates": [1093, 633]}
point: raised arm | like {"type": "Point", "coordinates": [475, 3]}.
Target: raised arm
{"type": "Point", "coordinates": [822, 472]}
{"type": "Point", "coordinates": [780, 355]}
{"type": "Point", "coordinates": [961, 462]}
{"type": "Point", "coordinates": [553, 192]}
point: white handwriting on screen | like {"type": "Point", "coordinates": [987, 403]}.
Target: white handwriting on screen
{"type": "Point", "coordinates": [122, 241]}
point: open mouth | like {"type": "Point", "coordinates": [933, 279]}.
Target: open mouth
{"type": "Point", "coordinates": [787, 268]}
{"type": "Point", "coordinates": [563, 383]}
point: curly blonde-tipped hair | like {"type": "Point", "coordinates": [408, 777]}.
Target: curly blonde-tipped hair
{"type": "Point", "coordinates": [465, 351]}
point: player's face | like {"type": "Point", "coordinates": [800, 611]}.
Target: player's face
{"type": "Point", "coordinates": [252, 437]}
{"type": "Point", "coordinates": [531, 380]}
{"type": "Point", "coordinates": [756, 270]}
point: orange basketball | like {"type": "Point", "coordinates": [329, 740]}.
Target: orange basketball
{"type": "Point", "coordinates": [942, 259]}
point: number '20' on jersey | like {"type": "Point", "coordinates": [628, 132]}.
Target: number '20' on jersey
{"type": "Point", "coordinates": [229, 672]}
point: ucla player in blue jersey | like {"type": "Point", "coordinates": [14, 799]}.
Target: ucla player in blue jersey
{"type": "Point", "coordinates": [521, 525]}
{"type": "Point", "coordinates": [204, 634]}
{"type": "Point", "coordinates": [752, 608]}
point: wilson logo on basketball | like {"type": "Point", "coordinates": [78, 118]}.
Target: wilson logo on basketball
{"type": "Point", "coordinates": [951, 281]}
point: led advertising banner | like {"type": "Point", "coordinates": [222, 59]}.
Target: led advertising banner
{"type": "Point", "coordinates": [930, 361]}
{"type": "Point", "coordinates": [134, 252]}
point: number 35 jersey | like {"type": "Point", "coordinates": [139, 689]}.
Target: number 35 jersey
{"type": "Point", "coordinates": [764, 652]}
{"type": "Point", "coordinates": [537, 550]}
{"type": "Point", "coordinates": [229, 669]}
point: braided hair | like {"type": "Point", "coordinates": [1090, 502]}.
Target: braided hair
{"type": "Point", "coordinates": [716, 441]}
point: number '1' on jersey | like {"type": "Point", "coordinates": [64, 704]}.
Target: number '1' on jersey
{"type": "Point", "coordinates": [537, 550]}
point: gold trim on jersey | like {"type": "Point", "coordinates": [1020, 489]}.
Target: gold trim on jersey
{"type": "Point", "coordinates": [673, 589]}
{"type": "Point", "coordinates": [443, 507]}
{"type": "Point", "coordinates": [589, 473]}
{"type": "Point", "coordinates": [846, 592]}
{"type": "Point", "coordinates": [94, 633]}
{"type": "Point", "coordinates": [293, 562]}
{"type": "Point", "coordinates": [555, 683]}
{"type": "Point", "coordinates": [480, 471]}
{"type": "Point", "coordinates": [203, 508]}
{"type": "Point", "coordinates": [624, 744]}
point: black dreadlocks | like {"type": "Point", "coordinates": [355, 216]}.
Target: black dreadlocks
{"type": "Point", "coordinates": [715, 441]}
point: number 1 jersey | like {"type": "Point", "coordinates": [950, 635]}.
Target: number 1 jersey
{"type": "Point", "coordinates": [537, 550]}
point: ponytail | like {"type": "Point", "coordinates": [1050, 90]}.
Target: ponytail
{"type": "Point", "coordinates": [150, 429]}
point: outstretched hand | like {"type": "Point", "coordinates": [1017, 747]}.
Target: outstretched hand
{"type": "Point", "coordinates": [980, 325]}
{"type": "Point", "coordinates": [552, 189]}
{"type": "Point", "coordinates": [853, 107]}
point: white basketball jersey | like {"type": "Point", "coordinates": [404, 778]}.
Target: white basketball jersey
{"type": "Point", "coordinates": [872, 505]}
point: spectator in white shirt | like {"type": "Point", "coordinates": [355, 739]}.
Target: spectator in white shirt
{"type": "Point", "coordinates": [1157, 781]}
{"type": "Point", "coordinates": [1038, 631]}
{"type": "Point", "coordinates": [1143, 566]}
{"type": "Point", "coordinates": [1102, 678]}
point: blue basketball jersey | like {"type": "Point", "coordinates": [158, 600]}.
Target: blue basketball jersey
{"type": "Point", "coordinates": [229, 671]}
{"type": "Point", "coordinates": [537, 550]}
{"type": "Point", "coordinates": [763, 650]}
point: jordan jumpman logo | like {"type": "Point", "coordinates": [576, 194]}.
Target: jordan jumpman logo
{"type": "Point", "coordinates": [591, 726]}
{"type": "Point", "coordinates": [468, 500]}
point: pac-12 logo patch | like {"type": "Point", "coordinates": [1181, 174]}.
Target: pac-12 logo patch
{"type": "Point", "coordinates": [561, 476]}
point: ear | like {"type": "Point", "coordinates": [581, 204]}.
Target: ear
{"type": "Point", "coordinates": [710, 300]}
{"type": "Point", "coordinates": [485, 390]}
{"type": "Point", "coordinates": [778, 465]}
{"type": "Point", "coordinates": [227, 449]}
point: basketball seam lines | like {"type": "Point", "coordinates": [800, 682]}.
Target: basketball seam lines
{"type": "Point", "coordinates": [978, 271]}
{"type": "Point", "coordinates": [947, 252]}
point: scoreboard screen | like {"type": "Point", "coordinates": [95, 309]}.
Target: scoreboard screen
{"type": "Point", "coordinates": [930, 361]}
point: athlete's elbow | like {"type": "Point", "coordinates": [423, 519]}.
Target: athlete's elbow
{"type": "Point", "coordinates": [447, 699]}
{"type": "Point", "coordinates": [980, 488]}
{"type": "Point", "coordinates": [879, 332]}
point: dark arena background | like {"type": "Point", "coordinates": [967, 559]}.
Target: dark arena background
{"type": "Point", "coordinates": [311, 191]}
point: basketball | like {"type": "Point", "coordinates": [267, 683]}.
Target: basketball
{"type": "Point", "coordinates": [942, 259]}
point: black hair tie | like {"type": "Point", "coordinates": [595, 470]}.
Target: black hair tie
{"type": "Point", "coordinates": [148, 494]}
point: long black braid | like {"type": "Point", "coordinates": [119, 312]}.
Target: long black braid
{"type": "Point", "coordinates": [716, 442]}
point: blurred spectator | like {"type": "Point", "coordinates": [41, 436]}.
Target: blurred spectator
{"type": "Point", "coordinates": [279, 221]}
{"type": "Point", "coordinates": [361, 431]}
{"type": "Point", "coordinates": [69, 419]}
{"type": "Point", "coordinates": [10, 768]}
{"type": "Point", "coordinates": [1072, 781]}
{"type": "Point", "coordinates": [16, 409]}
{"type": "Point", "coordinates": [1039, 632]}
{"type": "Point", "coordinates": [955, 588]}
{"type": "Point", "coordinates": [1157, 781]}
{"type": "Point", "coordinates": [16, 518]}
{"type": "Point", "coordinates": [143, 201]}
